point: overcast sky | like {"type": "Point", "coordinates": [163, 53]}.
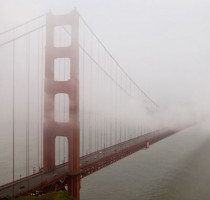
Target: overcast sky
{"type": "Point", "coordinates": [164, 45]}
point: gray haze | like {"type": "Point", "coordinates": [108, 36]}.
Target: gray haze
{"type": "Point", "coordinates": [163, 45]}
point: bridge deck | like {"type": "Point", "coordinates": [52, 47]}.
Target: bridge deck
{"type": "Point", "coordinates": [89, 164]}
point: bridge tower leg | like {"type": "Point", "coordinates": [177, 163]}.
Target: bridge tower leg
{"type": "Point", "coordinates": [70, 129]}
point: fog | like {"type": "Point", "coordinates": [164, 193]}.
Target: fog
{"type": "Point", "coordinates": [162, 45]}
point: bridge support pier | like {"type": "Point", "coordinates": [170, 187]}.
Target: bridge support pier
{"type": "Point", "coordinates": [74, 186]}
{"type": "Point", "coordinates": [71, 128]}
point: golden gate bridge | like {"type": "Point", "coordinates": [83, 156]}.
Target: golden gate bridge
{"type": "Point", "coordinates": [69, 109]}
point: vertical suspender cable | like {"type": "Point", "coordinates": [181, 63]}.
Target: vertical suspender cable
{"type": "Point", "coordinates": [13, 113]}
{"type": "Point", "coordinates": [104, 83]}
{"type": "Point", "coordinates": [98, 121]}
{"type": "Point", "coordinates": [28, 114]}
{"type": "Point", "coordinates": [29, 107]}
{"type": "Point", "coordinates": [110, 119]}
{"type": "Point", "coordinates": [26, 107]}
{"type": "Point", "coordinates": [120, 103]}
{"type": "Point", "coordinates": [59, 101]}
{"type": "Point", "coordinates": [124, 114]}
{"type": "Point", "coordinates": [27, 104]}
{"type": "Point", "coordinates": [64, 107]}
{"type": "Point", "coordinates": [64, 101]}
{"type": "Point", "coordinates": [59, 104]}
{"type": "Point", "coordinates": [95, 112]}
{"type": "Point", "coordinates": [38, 94]}
{"type": "Point", "coordinates": [90, 109]}
{"type": "Point", "coordinates": [83, 97]}
{"type": "Point", "coordinates": [42, 97]}
{"type": "Point", "coordinates": [42, 92]}
{"type": "Point", "coordinates": [95, 108]}
{"type": "Point", "coordinates": [130, 132]}
{"type": "Point", "coordinates": [116, 106]}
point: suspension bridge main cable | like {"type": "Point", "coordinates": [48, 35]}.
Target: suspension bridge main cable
{"type": "Point", "coordinates": [22, 35]}
{"type": "Point", "coordinates": [102, 69]}
{"type": "Point", "coordinates": [117, 62]}
{"type": "Point", "coordinates": [27, 22]}
{"type": "Point", "coordinates": [142, 92]}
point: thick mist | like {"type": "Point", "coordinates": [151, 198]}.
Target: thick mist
{"type": "Point", "coordinates": [162, 45]}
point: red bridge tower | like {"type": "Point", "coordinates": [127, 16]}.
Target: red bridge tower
{"type": "Point", "coordinates": [70, 129]}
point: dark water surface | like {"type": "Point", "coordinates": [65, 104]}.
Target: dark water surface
{"type": "Point", "coordinates": [177, 168]}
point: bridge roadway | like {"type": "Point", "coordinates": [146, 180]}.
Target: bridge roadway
{"type": "Point", "coordinates": [89, 164]}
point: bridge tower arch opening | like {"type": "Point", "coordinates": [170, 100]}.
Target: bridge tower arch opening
{"type": "Point", "coordinates": [61, 150]}
{"type": "Point", "coordinates": [66, 52]}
